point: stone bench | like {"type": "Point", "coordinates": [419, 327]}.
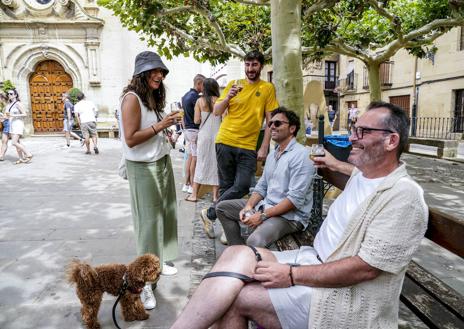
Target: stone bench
{"type": "Point", "coordinates": [445, 148]}
{"type": "Point", "coordinates": [108, 132]}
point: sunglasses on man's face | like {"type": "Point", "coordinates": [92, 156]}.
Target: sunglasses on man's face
{"type": "Point", "coordinates": [276, 123]}
{"type": "Point", "coordinates": [10, 94]}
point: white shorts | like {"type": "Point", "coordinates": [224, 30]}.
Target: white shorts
{"type": "Point", "coordinates": [191, 137]}
{"type": "Point", "coordinates": [292, 304]}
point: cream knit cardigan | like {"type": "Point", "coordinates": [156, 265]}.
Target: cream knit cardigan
{"type": "Point", "coordinates": [384, 231]}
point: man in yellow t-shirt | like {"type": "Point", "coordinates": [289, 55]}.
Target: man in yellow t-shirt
{"type": "Point", "coordinates": [247, 102]}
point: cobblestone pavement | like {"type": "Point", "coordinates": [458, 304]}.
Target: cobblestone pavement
{"type": "Point", "coordinates": [442, 181]}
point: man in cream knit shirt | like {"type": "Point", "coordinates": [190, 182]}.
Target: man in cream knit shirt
{"type": "Point", "coordinates": [352, 277]}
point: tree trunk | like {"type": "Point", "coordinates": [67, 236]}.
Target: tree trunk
{"type": "Point", "coordinates": [287, 57]}
{"type": "Point", "coordinates": [373, 68]}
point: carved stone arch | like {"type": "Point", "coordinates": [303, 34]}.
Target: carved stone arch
{"type": "Point", "coordinates": [24, 64]}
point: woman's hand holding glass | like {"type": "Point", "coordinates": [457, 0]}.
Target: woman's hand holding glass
{"type": "Point", "coordinates": [168, 121]}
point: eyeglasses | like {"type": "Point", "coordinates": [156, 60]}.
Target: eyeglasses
{"type": "Point", "coordinates": [276, 123]}
{"type": "Point", "coordinates": [359, 131]}
{"type": "Point", "coordinates": [10, 93]}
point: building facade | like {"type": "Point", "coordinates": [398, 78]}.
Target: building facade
{"type": "Point", "coordinates": [430, 90]}
{"type": "Point", "coordinates": [49, 46]}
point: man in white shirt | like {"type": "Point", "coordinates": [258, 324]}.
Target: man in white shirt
{"type": "Point", "coordinates": [87, 113]}
{"type": "Point", "coordinates": [360, 253]}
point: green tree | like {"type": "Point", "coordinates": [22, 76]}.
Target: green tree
{"type": "Point", "coordinates": [7, 85]}
{"type": "Point", "coordinates": [288, 31]}
{"type": "Point", "coordinates": [73, 94]}
{"type": "Point", "coordinates": [373, 31]}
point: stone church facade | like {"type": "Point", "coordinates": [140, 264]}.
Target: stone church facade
{"type": "Point", "coordinates": [49, 46]}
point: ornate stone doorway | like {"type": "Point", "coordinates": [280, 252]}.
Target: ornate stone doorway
{"type": "Point", "coordinates": [46, 85]}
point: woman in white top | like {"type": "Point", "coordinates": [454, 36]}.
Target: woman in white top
{"type": "Point", "coordinates": [206, 171]}
{"type": "Point", "coordinates": [16, 112]}
{"type": "Point", "coordinates": [149, 170]}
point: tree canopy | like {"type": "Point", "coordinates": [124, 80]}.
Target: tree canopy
{"type": "Point", "coordinates": [215, 30]}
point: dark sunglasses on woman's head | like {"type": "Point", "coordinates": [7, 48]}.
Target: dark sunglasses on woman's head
{"type": "Point", "coordinates": [276, 123]}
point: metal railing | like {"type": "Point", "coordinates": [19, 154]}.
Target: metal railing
{"type": "Point", "coordinates": [437, 127]}
{"type": "Point", "coordinates": [328, 83]}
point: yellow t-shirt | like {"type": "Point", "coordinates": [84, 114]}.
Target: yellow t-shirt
{"type": "Point", "coordinates": [245, 114]}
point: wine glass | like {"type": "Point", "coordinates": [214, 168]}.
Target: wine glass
{"type": "Point", "coordinates": [239, 84]}
{"type": "Point", "coordinates": [180, 109]}
{"type": "Point", "coordinates": [317, 150]}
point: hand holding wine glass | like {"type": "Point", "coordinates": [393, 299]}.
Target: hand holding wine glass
{"type": "Point", "coordinates": [317, 150]}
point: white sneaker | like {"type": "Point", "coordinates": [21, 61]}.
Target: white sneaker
{"type": "Point", "coordinates": [208, 224]}
{"type": "Point", "coordinates": [223, 238]}
{"type": "Point", "coordinates": [185, 188]}
{"type": "Point", "coordinates": [147, 297]}
{"type": "Point", "coordinates": [168, 270]}
{"type": "Point", "coordinates": [190, 189]}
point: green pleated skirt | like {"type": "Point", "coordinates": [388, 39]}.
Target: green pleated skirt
{"type": "Point", "coordinates": [154, 207]}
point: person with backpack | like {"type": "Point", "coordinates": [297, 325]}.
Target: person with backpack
{"type": "Point", "coordinates": [68, 120]}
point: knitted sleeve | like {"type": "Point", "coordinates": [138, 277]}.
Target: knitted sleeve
{"type": "Point", "coordinates": [396, 229]}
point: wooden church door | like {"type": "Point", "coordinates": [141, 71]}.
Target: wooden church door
{"type": "Point", "coordinates": [48, 82]}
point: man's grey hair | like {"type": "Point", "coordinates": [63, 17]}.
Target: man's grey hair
{"type": "Point", "coordinates": [397, 121]}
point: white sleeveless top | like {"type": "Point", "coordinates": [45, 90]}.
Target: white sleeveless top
{"type": "Point", "coordinates": [16, 124]}
{"type": "Point", "coordinates": [152, 149]}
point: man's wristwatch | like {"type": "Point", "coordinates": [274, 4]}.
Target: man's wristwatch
{"type": "Point", "coordinates": [263, 216]}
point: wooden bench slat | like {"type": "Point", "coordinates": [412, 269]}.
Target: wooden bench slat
{"type": "Point", "coordinates": [449, 297]}
{"type": "Point", "coordinates": [427, 308]}
{"type": "Point", "coordinates": [446, 231]}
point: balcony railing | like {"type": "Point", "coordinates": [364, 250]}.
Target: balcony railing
{"type": "Point", "coordinates": [328, 85]}
{"type": "Point", "coordinates": [437, 128]}
{"type": "Point", "coordinates": [348, 84]}
{"type": "Point", "coordinates": [386, 77]}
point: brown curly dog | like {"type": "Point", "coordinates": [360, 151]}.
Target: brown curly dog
{"type": "Point", "coordinates": [91, 283]}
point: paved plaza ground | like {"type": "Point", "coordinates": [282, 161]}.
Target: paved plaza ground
{"type": "Point", "coordinates": [67, 204]}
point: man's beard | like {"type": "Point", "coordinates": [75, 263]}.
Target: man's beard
{"type": "Point", "coordinates": [368, 156]}
{"type": "Point", "coordinates": [255, 75]}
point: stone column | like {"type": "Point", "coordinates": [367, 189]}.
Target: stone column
{"type": "Point", "coordinates": [92, 46]}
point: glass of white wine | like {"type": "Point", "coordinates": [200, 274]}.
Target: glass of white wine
{"type": "Point", "coordinates": [180, 109]}
{"type": "Point", "coordinates": [239, 84]}
{"type": "Point", "coordinates": [317, 150]}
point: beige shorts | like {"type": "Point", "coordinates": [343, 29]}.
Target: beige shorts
{"type": "Point", "coordinates": [191, 136]}
{"type": "Point", "coordinates": [89, 129]}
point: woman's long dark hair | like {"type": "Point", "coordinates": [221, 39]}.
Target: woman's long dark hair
{"type": "Point", "coordinates": [154, 100]}
{"type": "Point", "coordinates": [210, 90]}
{"type": "Point", "coordinates": [16, 94]}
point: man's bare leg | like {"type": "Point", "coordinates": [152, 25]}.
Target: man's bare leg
{"type": "Point", "coordinates": [253, 303]}
{"type": "Point", "coordinates": [188, 179]}
{"type": "Point", "coordinates": [214, 296]}
{"type": "Point", "coordinates": [193, 164]}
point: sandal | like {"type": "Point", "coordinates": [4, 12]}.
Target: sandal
{"type": "Point", "coordinates": [29, 157]}
{"type": "Point", "coordinates": [19, 161]}
{"type": "Point", "coordinates": [190, 200]}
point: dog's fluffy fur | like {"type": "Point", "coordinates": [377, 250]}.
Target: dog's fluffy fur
{"type": "Point", "coordinates": [91, 283]}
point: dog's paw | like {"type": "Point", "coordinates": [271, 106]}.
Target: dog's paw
{"type": "Point", "coordinates": [142, 317]}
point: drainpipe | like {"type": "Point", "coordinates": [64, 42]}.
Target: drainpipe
{"type": "Point", "coordinates": [415, 91]}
